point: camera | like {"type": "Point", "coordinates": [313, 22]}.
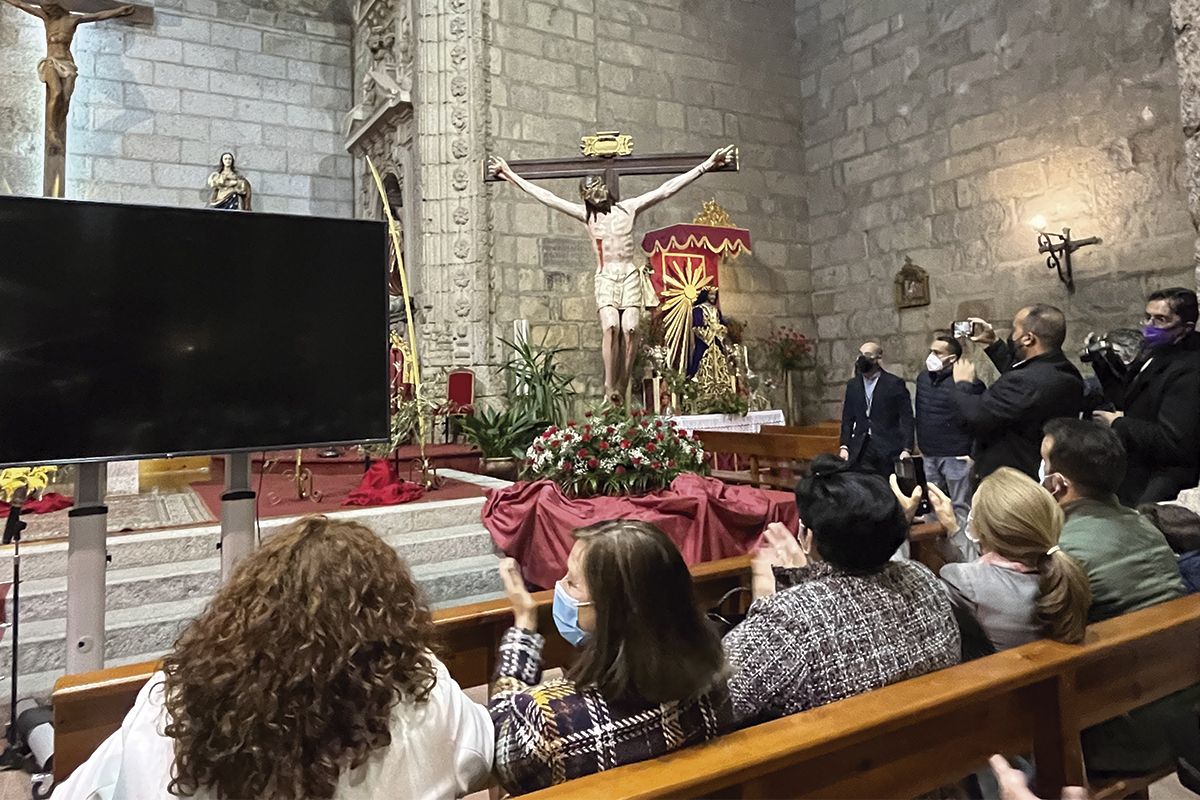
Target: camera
{"type": "Point", "coordinates": [1117, 347]}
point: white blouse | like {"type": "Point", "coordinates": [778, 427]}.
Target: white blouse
{"type": "Point", "coordinates": [441, 748]}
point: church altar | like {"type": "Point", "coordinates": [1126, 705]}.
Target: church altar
{"type": "Point", "coordinates": [750, 423]}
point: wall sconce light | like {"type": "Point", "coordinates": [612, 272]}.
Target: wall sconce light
{"type": "Point", "coordinates": [1059, 248]}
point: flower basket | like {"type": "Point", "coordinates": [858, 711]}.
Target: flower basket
{"type": "Point", "coordinates": [614, 454]}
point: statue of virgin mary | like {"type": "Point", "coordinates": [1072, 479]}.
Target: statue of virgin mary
{"type": "Point", "coordinates": [229, 189]}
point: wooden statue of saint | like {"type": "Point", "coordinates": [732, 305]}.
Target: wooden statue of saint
{"type": "Point", "coordinates": [230, 189]}
{"type": "Point", "coordinates": [621, 286]}
{"type": "Point", "coordinates": [58, 71]}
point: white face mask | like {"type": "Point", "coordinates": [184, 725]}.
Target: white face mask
{"type": "Point", "coordinates": [1042, 472]}
{"type": "Point", "coordinates": [933, 363]}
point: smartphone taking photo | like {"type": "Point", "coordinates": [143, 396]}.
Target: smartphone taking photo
{"type": "Point", "coordinates": [910, 473]}
{"type": "Point", "coordinates": [965, 329]}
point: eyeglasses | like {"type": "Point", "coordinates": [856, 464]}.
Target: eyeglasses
{"type": "Point", "coordinates": [1159, 321]}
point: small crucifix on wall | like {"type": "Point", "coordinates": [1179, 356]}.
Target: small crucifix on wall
{"type": "Point", "coordinates": [58, 70]}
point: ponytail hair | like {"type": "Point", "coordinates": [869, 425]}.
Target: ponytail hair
{"type": "Point", "coordinates": [1019, 520]}
{"type": "Point", "coordinates": [1063, 597]}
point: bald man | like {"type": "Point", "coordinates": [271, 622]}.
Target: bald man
{"type": "Point", "coordinates": [877, 415]}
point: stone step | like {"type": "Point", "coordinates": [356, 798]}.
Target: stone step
{"type": "Point", "coordinates": [46, 598]}
{"type": "Point", "coordinates": [148, 627]}
{"type": "Point", "coordinates": [49, 559]}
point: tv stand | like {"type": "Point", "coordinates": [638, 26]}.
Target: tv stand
{"type": "Point", "coordinates": [237, 514]}
{"type": "Point", "coordinates": [87, 557]}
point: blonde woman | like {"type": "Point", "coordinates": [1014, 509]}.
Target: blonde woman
{"type": "Point", "coordinates": [1023, 587]}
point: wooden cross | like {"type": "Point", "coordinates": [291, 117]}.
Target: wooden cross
{"type": "Point", "coordinates": [612, 167]}
{"type": "Point", "coordinates": [58, 71]}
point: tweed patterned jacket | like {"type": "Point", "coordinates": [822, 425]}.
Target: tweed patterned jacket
{"type": "Point", "coordinates": [833, 634]}
{"type": "Point", "coordinates": [548, 733]}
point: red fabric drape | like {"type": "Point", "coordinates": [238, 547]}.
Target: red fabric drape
{"type": "Point", "coordinates": [53, 501]}
{"type": "Point", "coordinates": [381, 486]}
{"type": "Point", "coordinates": [707, 520]}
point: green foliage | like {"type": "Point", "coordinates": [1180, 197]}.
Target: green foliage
{"type": "Point", "coordinates": [537, 389]}
{"type": "Point", "coordinates": [406, 423]}
{"type": "Point", "coordinates": [502, 434]}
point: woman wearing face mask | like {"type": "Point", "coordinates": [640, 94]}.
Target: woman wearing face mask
{"type": "Point", "coordinates": [1158, 401]}
{"type": "Point", "coordinates": [650, 676]}
{"type": "Point", "coordinates": [1023, 587]}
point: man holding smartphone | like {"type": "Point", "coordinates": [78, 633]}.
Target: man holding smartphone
{"type": "Point", "coordinates": [1037, 384]}
{"type": "Point", "coordinates": [942, 436]}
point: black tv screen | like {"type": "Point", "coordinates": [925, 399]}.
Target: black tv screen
{"type": "Point", "coordinates": [136, 331]}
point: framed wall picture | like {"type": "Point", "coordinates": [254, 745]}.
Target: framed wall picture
{"type": "Point", "coordinates": [912, 286]}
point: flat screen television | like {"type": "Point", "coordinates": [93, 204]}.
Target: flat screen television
{"type": "Point", "coordinates": [137, 331]}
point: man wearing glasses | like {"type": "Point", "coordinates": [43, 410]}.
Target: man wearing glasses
{"type": "Point", "coordinates": [1158, 399]}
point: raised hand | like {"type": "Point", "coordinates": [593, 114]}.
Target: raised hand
{"type": "Point", "coordinates": [986, 335]}
{"type": "Point", "coordinates": [943, 507]}
{"type": "Point", "coordinates": [722, 154]}
{"type": "Point", "coordinates": [524, 608]}
{"type": "Point", "coordinates": [908, 503]}
{"type": "Point", "coordinates": [964, 370]}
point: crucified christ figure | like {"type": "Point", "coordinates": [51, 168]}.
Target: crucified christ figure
{"type": "Point", "coordinates": [619, 280]}
{"type": "Point", "coordinates": [57, 70]}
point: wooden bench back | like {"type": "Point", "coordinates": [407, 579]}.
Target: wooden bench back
{"type": "Point", "coordinates": [761, 451]}
{"type": "Point", "coordinates": [829, 428]}
{"type": "Point", "coordinates": [89, 706]}
{"type": "Point", "coordinates": [913, 737]}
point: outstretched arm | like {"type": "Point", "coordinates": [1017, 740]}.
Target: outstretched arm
{"type": "Point", "coordinates": [500, 167]}
{"type": "Point", "coordinates": [644, 201]}
{"type": "Point", "coordinates": [99, 16]}
{"type": "Point", "coordinates": [28, 8]}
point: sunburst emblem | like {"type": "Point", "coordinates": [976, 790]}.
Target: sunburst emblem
{"type": "Point", "coordinates": [685, 276]}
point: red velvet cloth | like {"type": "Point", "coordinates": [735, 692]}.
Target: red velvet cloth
{"type": "Point", "coordinates": [707, 520]}
{"type": "Point", "coordinates": [381, 486]}
{"type": "Point", "coordinates": [48, 503]}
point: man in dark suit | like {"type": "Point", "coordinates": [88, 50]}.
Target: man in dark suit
{"type": "Point", "coordinates": [877, 416]}
{"type": "Point", "coordinates": [1036, 384]}
{"type": "Point", "coordinates": [1158, 401]}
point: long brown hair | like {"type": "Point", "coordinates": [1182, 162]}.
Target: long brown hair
{"type": "Point", "coordinates": [291, 674]}
{"type": "Point", "coordinates": [1017, 519]}
{"type": "Point", "coordinates": [650, 639]}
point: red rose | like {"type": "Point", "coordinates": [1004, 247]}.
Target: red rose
{"type": "Point", "coordinates": [620, 470]}
{"type": "Point", "coordinates": [626, 444]}
{"type": "Point", "coordinates": [650, 448]}
{"type": "Point", "coordinates": [659, 438]}
{"type": "Point", "coordinates": [568, 467]}
{"type": "Point", "coordinates": [637, 462]}
{"type": "Point", "coordinates": [593, 463]}
{"type": "Point", "coordinates": [603, 445]}
{"type": "Point", "coordinates": [552, 430]}
{"type": "Point", "coordinates": [587, 437]}
{"type": "Point", "coordinates": [655, 465]}
{"type": "Point", "coordinates": [570, 423]}
{"type": "Point", "coordinates": [582, 453]}
{"type": "Point", "coordinates": [671, 464]}
{"type": "Point", "coordinates": [587, 414]}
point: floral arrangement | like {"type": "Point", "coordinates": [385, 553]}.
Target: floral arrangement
{"type": "Point", "coordinates": [791, 349]}
{"type": "Point", "coordinates": [614, 453]}
{"type": "Point", "coordinates": [32, 479]}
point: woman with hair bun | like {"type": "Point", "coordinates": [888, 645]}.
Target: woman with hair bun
{"type": "Point", "coordinates": [832, 615]}
{"type": "Point", "coordinates": [1023, 587]}
{"type": "Point", "coordinates": [309, 675]}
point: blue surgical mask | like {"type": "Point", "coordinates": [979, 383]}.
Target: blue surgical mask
{"type": "Point", "coordinates": [566, 615]}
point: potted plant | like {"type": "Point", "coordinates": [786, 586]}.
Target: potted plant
{"type": "Point", "coordinates": [502, 438]}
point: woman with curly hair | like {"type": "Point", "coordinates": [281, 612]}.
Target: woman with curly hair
{"type": "Point", "coordinates": [309, 675]}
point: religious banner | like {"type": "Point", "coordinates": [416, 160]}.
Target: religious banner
{"type": "Point", "coordinates": [684, 261]}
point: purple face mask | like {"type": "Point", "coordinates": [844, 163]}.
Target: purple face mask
{"type": "Point", "coordinates": [1157, 337]}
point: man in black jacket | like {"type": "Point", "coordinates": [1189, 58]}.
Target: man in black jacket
{"type": "Point", "coordinates": [1036, 384]}
{"type": "Point", "coordinates": [944, 440]}
{"type": "Point", "coordinates": [877, 417]}
{"type": "Point", "coordinates": [1158, 401]}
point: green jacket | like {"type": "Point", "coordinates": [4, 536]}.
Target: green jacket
{"type": "Point", "coordinates": [1128, 562]}
{"type": "Point", "coordinates": [1129, 566]}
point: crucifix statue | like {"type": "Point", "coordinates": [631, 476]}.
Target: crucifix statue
{"type": "Point", "coordinates": [58, 71]}
{"type": "Point", "coordinates": [622, 289]}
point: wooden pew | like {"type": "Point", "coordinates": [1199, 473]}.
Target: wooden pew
{"type": "Point", "coordinates": [827, 428]}
{"type": "Point", "coordinates": [915, 736]}
{"type": "Point", "coordinates": [761, 450]}
{"type": "Point", "coordinates": [89, 706]}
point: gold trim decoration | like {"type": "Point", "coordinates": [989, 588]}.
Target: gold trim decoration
{"type": "Point", "coordinates": [728, 245]}
{"type": "Point", "coordinates": [606, 144]}
{"type": "Point", "coordinates": [713, 215]}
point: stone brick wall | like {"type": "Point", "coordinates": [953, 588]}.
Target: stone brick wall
{"type": "Point", "coordinates": [155, 106]}
{"type": "Point", "coordinates": [938, 129]}
{"type": "Point", "coordinates": [679, 76]}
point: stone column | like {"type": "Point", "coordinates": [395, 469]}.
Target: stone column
{"type": "Point", "coordinates": [1185, 14]}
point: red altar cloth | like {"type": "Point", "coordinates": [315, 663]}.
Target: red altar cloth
{"type": "Point", "coordinates": [381, 486]}
{"type": "Point", "coordinates": [47, 504]}
{"type": "Point", "coordinates": [705, 518]}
